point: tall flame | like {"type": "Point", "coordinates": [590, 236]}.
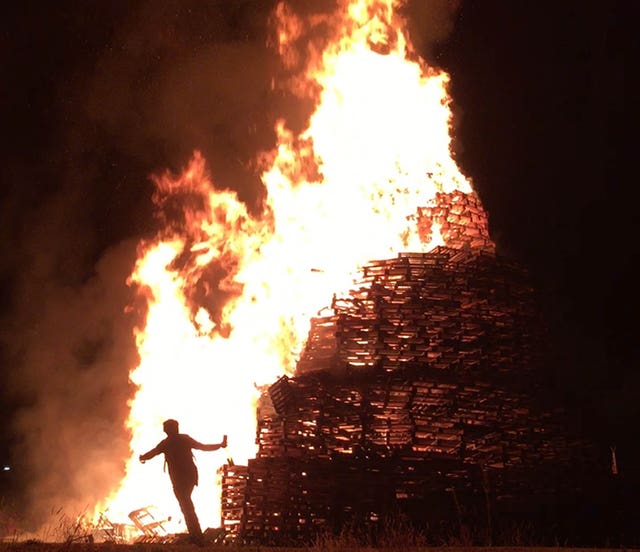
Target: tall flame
{"type": "Point", "coordinates": [230, 295]}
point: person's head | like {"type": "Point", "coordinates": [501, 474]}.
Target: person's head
{"type": "Point", "coordinates": [170, 427]}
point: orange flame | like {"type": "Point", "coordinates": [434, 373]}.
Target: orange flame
{"type": "Point", "coordinates": [230, 295]}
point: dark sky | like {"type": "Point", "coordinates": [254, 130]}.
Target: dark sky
{"type": "Point", "coordinates": [547, 129]}
{"type": "Point", "coordinates": [97, 96]}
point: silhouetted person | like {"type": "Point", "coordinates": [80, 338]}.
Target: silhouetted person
{"type": "Point", "coordinates": [183, 472]}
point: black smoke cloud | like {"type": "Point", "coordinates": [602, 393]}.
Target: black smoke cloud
{"type": "Point", "coordinates": [98, 97]}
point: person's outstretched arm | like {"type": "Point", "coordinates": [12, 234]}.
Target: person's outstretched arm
{"type": "Point", "coordinates": [153, 452]}
{"type": "Point", "coordinates": [201, 446]}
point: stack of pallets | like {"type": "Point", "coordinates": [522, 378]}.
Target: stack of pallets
{"type": "Point", "coordinates": [461, 221]}
{"type": "Point", "coordinates": [418, 391]}
{"type": "Point", "coordinates": [234, 487]}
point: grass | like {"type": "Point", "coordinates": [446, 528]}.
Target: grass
{"type": "Point", "coordinates": [34, 546]}
{"type": "Point", "coordinates": [396, 532]}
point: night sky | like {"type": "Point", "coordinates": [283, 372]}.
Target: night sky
{"type": "Point", "coordinates": [98, 96]}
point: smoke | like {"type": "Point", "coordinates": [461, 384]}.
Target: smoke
{"type": "Point", "coordinates": [66, 344]}
{"type": "Point", "coordinates": [429, 23]}
{"type": "Point", "coordinates": [190, 75]}
{"type": "Point", "coordinates": [150, 84]}
{"type": "Point", "coordinates": [123, 91]}
{"type": "Point", "coordinates": [73, 350]}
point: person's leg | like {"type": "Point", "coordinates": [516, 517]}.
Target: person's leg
{"type": "Point", "coordinates": [183, 494]}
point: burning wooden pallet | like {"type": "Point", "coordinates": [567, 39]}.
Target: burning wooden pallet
{"type": "Point", "coordinates": [464, 311]}
{"type": "Point", "coordinates": [413, 413]}
{"type": "Point", "coordinates": [461, 220]}
{"type": "Point", "coordinates": [234, 485]}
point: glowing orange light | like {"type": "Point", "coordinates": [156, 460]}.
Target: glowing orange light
{"type": "Point", "coordinates": [340, 193]}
